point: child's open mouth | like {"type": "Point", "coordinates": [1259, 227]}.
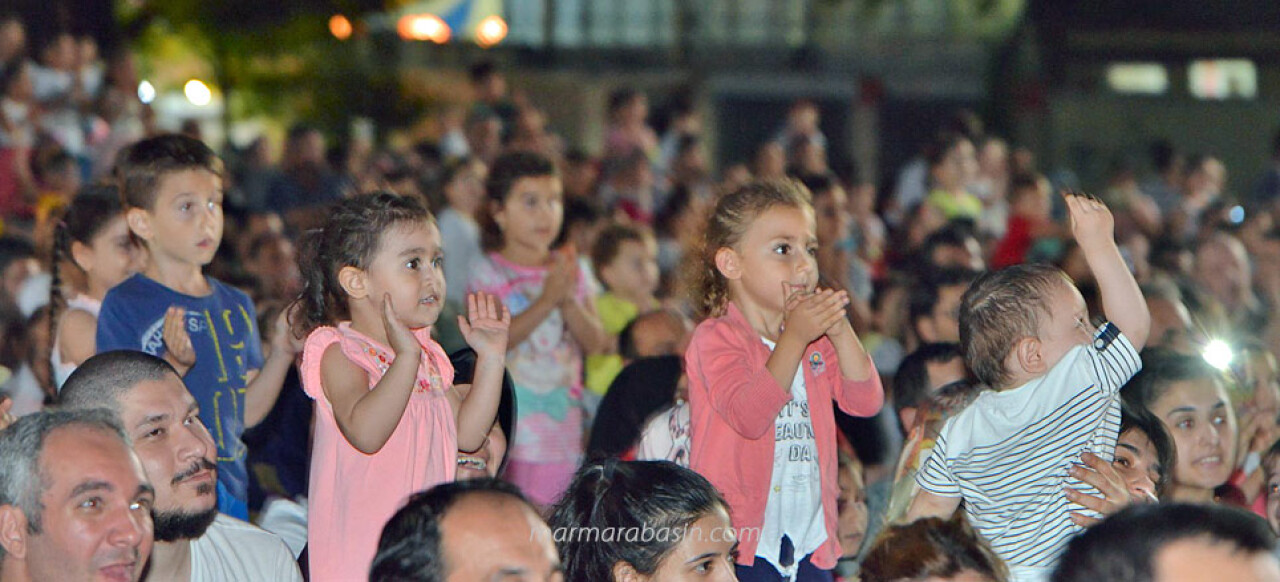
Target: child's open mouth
{"type": "Point", "coordinates": [429, 300]}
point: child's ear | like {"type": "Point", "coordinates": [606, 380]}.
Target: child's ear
{"type": "Point", "coordinates": [80, 255]}
{"type": "Point", "coordinates": [499, 217]}
{"type": "Point", "coordinates": [139, 222]}
{"type": "Point", "coordinates": [354, 282]}
{"type": "Point", "coordinates": [728, 263]}
{"type": "Point", "coordinates": [13, 531]}
{"type": "Point", "coordinates": [1030, 356]}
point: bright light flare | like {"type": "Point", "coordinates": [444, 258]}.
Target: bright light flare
{"type": "Point", "coordinates": [340, 27]}
{"type": "Point", "coordinates": [491, 31]}
{"type": "Point", "coordinates": [146, 92]}
{"type": "Point", "coordinates": [1218, 354]}
{"type": "Point", "coordinates": [197, 93]}
{"type": "Point", "coordinates": [423, 27]}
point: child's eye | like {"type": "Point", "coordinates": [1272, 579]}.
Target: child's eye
{"type": "Point", "coordinates": [185, 207]}
{"type": "Point", "coordinates": [438, 262]}
{"type": "Point", "coordinates": [1123, 462]}
{"type": "Point", "coordinates": [1185, 424]}
{"type": "Point", "coordinates": [414, 264]}
{"type": "Point", "coordinates": [813, 250]}
{"type": "Point", "coordinates": [705, 567]}
{"type": "Point", "coordinates": [782, 249]}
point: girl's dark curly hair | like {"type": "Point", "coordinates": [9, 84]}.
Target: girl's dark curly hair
{"type": "Point", "coordinates": [349, 238]}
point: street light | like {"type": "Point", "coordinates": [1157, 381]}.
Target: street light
{"type": "Point", "coordinates": [146, 92]}
{"type": "Point", "coordinates": [197, 92]}
{"type": "Point", "coordinates": [491, 31]}
{"type": "Point", "coordinates": [423, 27]}
{"type": "Point", "coordinates": [340, 27]}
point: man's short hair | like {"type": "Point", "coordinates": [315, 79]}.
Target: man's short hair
{"type": "Point", "coordinates": [102, 379]}
{"type": "Point", "coordinates": [998, 310]}
{"type": "Point", "coordinates": [144, 163]}
{"type": "Point", "coordinates": [21, 478]}
{"type": "Point", "coordinates": [411, 548]}
{"type": "Point", "coordinates": [1124, 546]}
{"type": "Point", "coordinates": [911, 384]}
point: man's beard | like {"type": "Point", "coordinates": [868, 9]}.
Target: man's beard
{"type": "Point", "coordinates": [172, 526]}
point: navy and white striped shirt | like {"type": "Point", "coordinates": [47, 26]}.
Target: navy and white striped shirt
{"type": "Point", "coordinates": [1008, 453]}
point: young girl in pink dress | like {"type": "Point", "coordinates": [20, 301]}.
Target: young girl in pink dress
{"type": "Point", "coordinates": [389, 421]}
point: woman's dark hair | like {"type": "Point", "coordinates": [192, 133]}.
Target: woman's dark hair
{"type": "Point", "coordinates": [609, 499]}
{"type": "Point", "coordinates": [350, 238]}
{"type": "Point", "coordinates": [506, 171]}
{"type": "Point", "coordinates": [89, 212]}
{"type": "Point", "coordinates": [1142, 420]}
{"type": "Point", "coordinates": [1161, 367]}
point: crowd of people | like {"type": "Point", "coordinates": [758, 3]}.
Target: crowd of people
{"type": "Point", "coordinates": [497, 356]}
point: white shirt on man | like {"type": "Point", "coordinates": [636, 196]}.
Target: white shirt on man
{"type": "Point", "coordinates": [235, 550]}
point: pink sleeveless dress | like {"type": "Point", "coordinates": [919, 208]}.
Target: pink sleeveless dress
{"type": "Point", "coordinates": [353, 494]}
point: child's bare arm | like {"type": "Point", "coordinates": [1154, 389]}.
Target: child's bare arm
{"type": "Point", "coordinates": [584, 324]}
{"type": "Point", "coordinates": [263, 386]}
{"type": "Point", "coordinates": [1122, 301]}
{"type": "Point", "coordinates": [368, 417]}
{"type": "Point", "coordinates": [485, 330]}
{"type": "Point", "coordinates": [926, 504]}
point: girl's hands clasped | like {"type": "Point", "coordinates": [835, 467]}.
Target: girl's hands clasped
{"type": "Point", "coordinates": [810, 316]}
{"type": "Point", "coordinates": [487, 324]}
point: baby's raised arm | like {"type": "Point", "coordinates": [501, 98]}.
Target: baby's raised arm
{"type": "Point", "coordinates": [1122, 301]}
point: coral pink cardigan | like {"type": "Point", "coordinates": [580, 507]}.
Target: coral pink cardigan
{"type": "Point", "coordinates": [734, 402]}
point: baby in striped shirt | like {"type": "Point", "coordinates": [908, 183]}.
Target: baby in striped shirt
{"type": "Point", "coordinates": [1053, 394]}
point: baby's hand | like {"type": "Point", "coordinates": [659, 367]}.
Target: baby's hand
{"type": "Point", "coordinates": [810, 316]}
{"type": "Point", "coordinates": [399, 336]}
{"type": "Point", "coordinates": [490, 321]}
{"type": "Point", "coordinates": [1091, 221]}
{"type": "Point", "coordinates": [176, 339]}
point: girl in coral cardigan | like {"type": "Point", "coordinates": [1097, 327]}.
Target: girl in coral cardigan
{"type": "Point", "coordinates": [764, 367]}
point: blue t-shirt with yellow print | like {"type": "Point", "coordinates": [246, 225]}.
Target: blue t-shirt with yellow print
{"type": "Point", "coordinates": [224, 333]}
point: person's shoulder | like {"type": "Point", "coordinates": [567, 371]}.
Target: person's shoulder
{"type": "Point", "coordinates": [241, 534]}
{"type": "Point", "coordinates": [241, 539]}
{"type": "Point", "coordinates": [133, 293]}
{"type": "Point", "coordinates": [229, 292]}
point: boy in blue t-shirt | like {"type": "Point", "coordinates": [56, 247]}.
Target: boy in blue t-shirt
{"type": "Point", "coordinates": [172, 190]}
